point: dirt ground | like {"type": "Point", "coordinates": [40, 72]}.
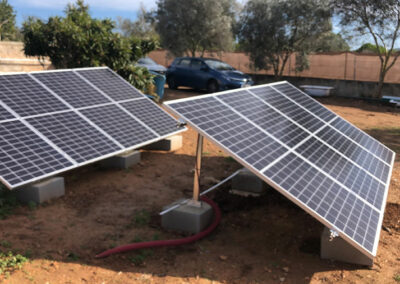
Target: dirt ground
{"type": "Point", "coordinates": [259, 240]}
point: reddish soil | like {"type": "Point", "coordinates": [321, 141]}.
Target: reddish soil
{"type": "Point", "coordinates": [260, 240]}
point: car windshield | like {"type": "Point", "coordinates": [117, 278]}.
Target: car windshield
{"type": "Point", "coordinates": [218, 65]}
{"type": "Point", "coordinates": [147, 61]}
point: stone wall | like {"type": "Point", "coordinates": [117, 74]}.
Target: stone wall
{"type": "Point", "coordinates": [13, 59]}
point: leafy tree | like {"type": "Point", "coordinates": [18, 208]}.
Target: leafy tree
{"type": "Point", "coordinates": [143, 27]}
{"type": "Point", "coordinates": [378, 19]}
{"type": "Point", "coordinates": [271, 30]}
{"type": "Point", "coordinates": [330, 42]}
{"type": "Point", "coordinates": [7, 21]}
{"type": "Point", "coordinates": [190, 26]}
{"type": "Point", "coordinates": [371, 48]}
{"type": "Point", "coordinates": [78, 40]}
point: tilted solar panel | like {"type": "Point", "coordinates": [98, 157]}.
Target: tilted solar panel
{"type": "Point", "coordinates": [330, 168]}
{"type": "Point", "coordinates": [54, 121]}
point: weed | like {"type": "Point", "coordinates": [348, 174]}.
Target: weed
{"type": "Point", "coordinates": [28, 253]}
{"type": "Point", "coordinates": [8, 202]}
{"type": "Point", "coordinates": [137, 239]}
{"type": "Point", "coordinates": [206, 153]}
{"type": "Point", "coordinates": [396, 277]}
{"type": "Point", "coordinates": [32, 205]}
{"type": "Point", "coordinates": [141, 218]}
{"type": "Point", "coordinates": [72, 256]}
{"type": "Point", "coordinates": [10, 262]}
{"type": "Point", "coordinates": [156, 237]}
{"type": "Point", "coordinates": [5, 244]}
{"type": "Point", "coordinates": [229, 159]}
{"type": "Point", "coordinates": [139, 258]}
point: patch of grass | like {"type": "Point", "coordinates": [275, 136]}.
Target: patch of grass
{"type": "Point", "coordinates": [141, 218]}
{"type": "Point", "coordinates": [396, 277]}
{"type": "Point", "coordinates": [8, 202]}
{"type": "Point", "coordinates": [156, 237]}
{"type": "Point", "coordinates": [137, 239]}
{"type": "Point", "coordinates": [139, 258]}
{"type": "Point", "coordinates": [73, 256]}
{"type": "Point", "coordinates": [5, 244]}
{"type": "Point", "coordinates": [10, 262]}
{"type": "Point", "coordinates": [28, 253]}
{"type": "Point", "coordinates": [229, 159]}
{"type": "Point", "coordinates": [32, 205]}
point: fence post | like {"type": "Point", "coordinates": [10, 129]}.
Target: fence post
{"type": "Point", "coordinates": [345, 66]}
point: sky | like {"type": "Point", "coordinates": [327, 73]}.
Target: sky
{"type": "Point", "coordinates": [98, 8]}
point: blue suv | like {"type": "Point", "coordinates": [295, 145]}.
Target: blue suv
{"type": "Point", "coordinates": [205, 73]}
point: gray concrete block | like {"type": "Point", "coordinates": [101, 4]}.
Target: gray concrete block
{"type": "Point", "coordinates": [247, 183]}
{"type": "Point", "coordinates": [187, 218]}
{"type": "Point", "coordinates": [42, 191]}
{"type": "Point", "coordinates": [340, 250]}
{"type": "Point", "coordinates": [172, 143]}
{"type": "Point", "coordinates": [123, 161]}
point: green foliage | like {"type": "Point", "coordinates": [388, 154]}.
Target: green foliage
{"type": "Point", "coordinates": [8, 30]}
{"type": "Point", "coordinates": [396, 277]}
{"type": "Point", "coordinates": [141, 218]}
{"type": "Point", "coordinates": [78, 40]}
{"type": "Point", "coordinates": [190, 26]}
{"type": "Point", "coordinates": [8, 202]}
{"type": "Point", "coordinates": [380, 21]}
{"type": "Point", "coordinates": [10, 262]}
{"type": "Point", "coordinates": [5, 244]}
{"type": "Point", "coordinates": [371, 48]}
{"type": "Point", "coordinates": [73, 256]}
{"type": "Point", "coordinates": [140, 257]}
{"type": "Point", "coordinates": [271, 30]}
{"type": "Point", "coordinates": [143, 27]}
{"type": "Point", "coordinates": [330, 42]}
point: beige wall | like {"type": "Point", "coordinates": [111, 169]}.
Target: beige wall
{"type": "Point", "coordinates": [342, 66]}
{"type": "Point", "coordinates": [13, 59]}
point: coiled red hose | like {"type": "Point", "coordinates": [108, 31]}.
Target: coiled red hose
{"type": "Point", "coordinates": [167, 243]}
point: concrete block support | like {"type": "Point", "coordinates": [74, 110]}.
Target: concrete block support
{"type": "Point", "coordinates": [172, 143]}
{"type": "Point", "coordinates": [340, 250]}
{"type": "Point", "coordinates": [41, 191]}
{"type": "Point", "coordinates": [187, 217]}
{"type": "Point", "coordinates": [246, 183]}
{"type": "Point", "coordinates": [123, 161]}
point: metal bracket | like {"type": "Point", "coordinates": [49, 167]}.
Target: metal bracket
{"type": "Point", "coordinates": [333, 234]}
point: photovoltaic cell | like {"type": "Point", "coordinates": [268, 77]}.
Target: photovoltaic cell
{"type": "Point", "coordinates": [53, 121]}
{"type": "Point", "coordinates": [264, 116]}
{"type": "Point", "coordinates": [150, 114]}
{"type": "Point", "coordinates": [70, 87]}
{"type": "Point", "coordinates": [331, 169]}
{"type": "Point", "coordinates": [27, 97]}
{"type": "Point", "coordinates": [305, 101]}
{"type": "Point", "coordinates": [25, 156]}
{"type": "Point", "coordinates": [4, 114]}
{"type": "Point", "coordinates": [74, 135]}
{"type": "Point", "coordinates": [289, 108]}
{"type": "Point", "coordinates": [355, 153]}
{"type": "Point", "coordinates": [326, 198]}
{"type": "Point", "coordinates": [363, 139]}
{"type": "Point", "coordinates": [111, 84]}
{"type": "Point", "coordinates": [119, 125]}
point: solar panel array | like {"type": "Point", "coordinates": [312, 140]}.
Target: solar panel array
{"type": "Point", "coordinates": [331, 169]}
{"type": "Point", "coordinates": [57, 120]}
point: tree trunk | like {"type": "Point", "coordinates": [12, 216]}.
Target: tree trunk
{"type": "Point", "coordinates": [379, 87]}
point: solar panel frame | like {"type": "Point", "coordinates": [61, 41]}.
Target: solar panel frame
{"type": "Point", "coordinates": [283, 191]}
{"type": "Point", "coordinates": [13, 116]}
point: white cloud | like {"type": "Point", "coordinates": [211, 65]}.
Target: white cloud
{"type": "Point", "coordinates": [118, 5]}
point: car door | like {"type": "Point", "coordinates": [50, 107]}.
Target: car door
{"type": "Point", "coordinates": [182, 69]}
{"type": "Point", "coordinates": [198, 76]}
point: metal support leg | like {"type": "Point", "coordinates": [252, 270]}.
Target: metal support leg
{"type": "Point", "coordinates": [196, 182]}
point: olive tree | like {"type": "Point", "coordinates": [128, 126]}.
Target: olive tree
{"type": "Point", "coordinates": [270, 31]}
{"type": "Point", "coordinates": [190, 26]}
{"type": "Point", "coordinates": [7, 21]}
{"type": "Point", "coordinates": [378, 19]}
{"type": "Point", "coordinates": [78, 40]}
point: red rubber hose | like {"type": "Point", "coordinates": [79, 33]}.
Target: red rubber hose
{"type": "Point", "coordinates": [167, 243]}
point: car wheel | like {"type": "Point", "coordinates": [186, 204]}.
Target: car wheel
{"type": "Point", "coordinates": [212, 86]}
{"type": "Point", "coordinates": [172, 83]}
